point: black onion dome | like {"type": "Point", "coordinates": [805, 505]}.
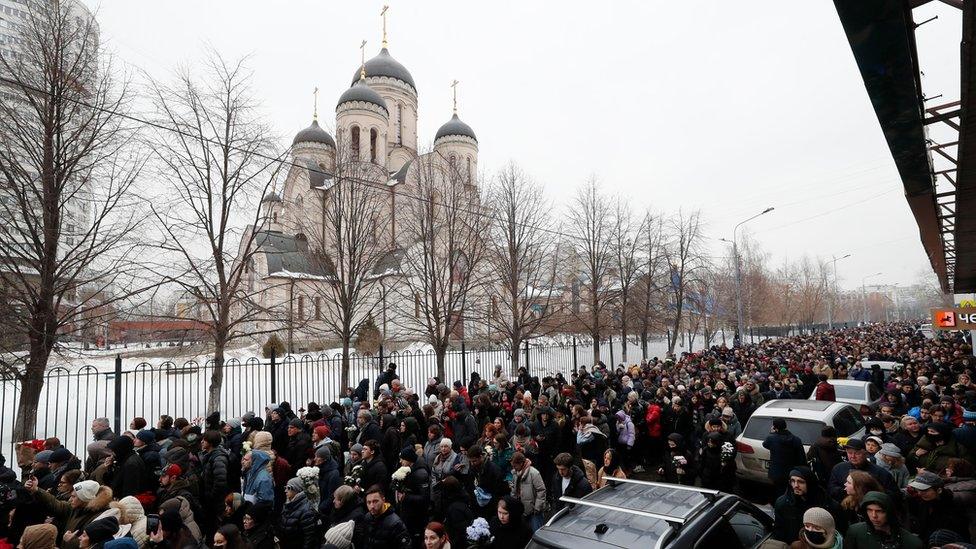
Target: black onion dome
{"type": "Point", "coordinates": [454, 126]}
{"type": "Point", "coordinates": [385, 65]}
{"type": "Point", "coordinates": [314, 134]}
{"type": "Point", "coordinates": [361, 92]}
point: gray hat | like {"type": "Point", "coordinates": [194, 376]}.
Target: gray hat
{"type": "Point", "coordinates": [926, 480]}
{"type": "Point", "coordinates": [890, 450]}
{"type": "Point", "coordinates": [295, 485]}
{"type": "Point", "coordinates": [296, 423]}
{"type": "Point", "coordinates": [234, 422]}
{"type": "Point", "coordinates": [43, 456]}
{"type": "Point", "coordinates": [340, 535]}
{"type": "Point", "coordinates": [323, 452]}
{"type": "Point", "coordinates": [358, 448]}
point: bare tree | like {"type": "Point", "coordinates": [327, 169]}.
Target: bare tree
{"type": "Point", "coordinates": [626, 245]}
{"type": "Point", "coordinates": [649, 288]}
{"type": "Point", "coordinates": [521, 259]}
{"type": "Point", "coordinates": [685, 260]}
{"type": "Point", "coordinates": [443, 265]}
{"type": "Point", "coordinates": [217, 159]}
{"type": "Point", "coordinates": [67, 169]}
{"type": "Point", "coordinates": [350, 244]}
{"type": "Point", "coordinates": [591, 228]}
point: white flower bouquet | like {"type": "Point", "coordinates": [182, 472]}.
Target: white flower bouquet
{"type": "Point", "coordinates": [478, 534]}
{"type": "Point", "coordinates": [310, 479]}
{"type": "Point", "coordinates": [398, 478]}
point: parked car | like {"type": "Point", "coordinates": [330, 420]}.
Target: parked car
{"type": "Point", "coordinates": [888, 367]}
{"type": "Point", "coordinates": [863, 394]}
{"type": "Point", "coordinates": [926, 331]}
{"type": "Point", "coordinates": [633, 513]}
{"type": "Point", "coordinates": [804, 418]}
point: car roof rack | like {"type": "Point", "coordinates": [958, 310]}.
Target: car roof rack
{"type": "Point", "coordinates": [674, 522]}
{"type": "Point", "coordinates": [709, 495]}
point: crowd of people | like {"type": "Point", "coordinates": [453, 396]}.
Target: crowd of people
{"type": "Point", "coordinates": [485, 463]}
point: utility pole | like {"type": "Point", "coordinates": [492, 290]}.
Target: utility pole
{"type": "Point", "coordinates": [738, 274]}
{"type": "Point", "coordinates": [830, 298]}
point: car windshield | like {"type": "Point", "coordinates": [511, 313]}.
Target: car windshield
{"type": "Point", "coordinates": [850, 392]}
{"type": "Point", "coordinates": [758, 428]}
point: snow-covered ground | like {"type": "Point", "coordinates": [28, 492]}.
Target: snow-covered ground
{"type": "Point", "coordinates": [81, 385]}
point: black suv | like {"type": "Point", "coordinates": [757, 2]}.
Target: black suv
{"type": "Point", "coordinates": [638, 514]}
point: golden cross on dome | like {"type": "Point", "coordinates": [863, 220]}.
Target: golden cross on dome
{"type": "Point", "coordinates": [315, 108]}
{"type": "Point", "coordinates": [362, 67]}
{"type": "Point", "coordinates": [383, 15]}
{"type": "Point", "coordinates": [454, 87]}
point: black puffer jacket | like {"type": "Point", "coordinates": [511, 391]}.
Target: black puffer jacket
{"type": "Point", "coordinates": [386, 531]}
{"type": "Point", "coordinates": [578, 487]}
{"type": "Point", "coordinates": [296, 525]}
{"type": "Point", "coordinates": [213, 474]}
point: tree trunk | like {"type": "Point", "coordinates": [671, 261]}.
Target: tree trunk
{"type": "Point", "coordinates": [30, 396]}
{"type": "Point", "coordinates": [623, 338]}
{"type": "Point", "coordinates": [644, 343]}
{"type": "Point", "coordinates": [514, 355]}
{"type": "Point", "coordinates": [344, 375]}
{"type": "Point", "coordinates": [217, 377]}
{"type": "Point", "coordinates": [441, 352]}
{"type": "Point", "coordinates": [677, 328]}
{"type": "Point", "coordinates": [596, 347]}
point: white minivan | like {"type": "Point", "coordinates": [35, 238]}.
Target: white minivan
{"type": "Point", "coordinates": [804, 418]}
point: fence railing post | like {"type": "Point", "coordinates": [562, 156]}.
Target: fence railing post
{"type": "Point", "coordinates": [118, 393]}
{"type": "Point", "coordinates": [464, 366]}
{"type": "Point", "coordinates": [575, 366]}
{"type": "Point", "coordinates": [610, 343]}
{"type": "Point", "coordinates": [381, 357]}
{"type": "Point", "coordinates": [526, 356]}
{"type": "Point", "coordinates": [274, 376]}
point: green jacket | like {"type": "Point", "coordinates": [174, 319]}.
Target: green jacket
{"type": "Point", "coordinates": [863, 536]}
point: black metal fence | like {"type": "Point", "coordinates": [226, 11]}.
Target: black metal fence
{"type": "Point", "coordinates": [72, 398]}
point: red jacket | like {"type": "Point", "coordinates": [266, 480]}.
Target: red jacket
{"type": "Point", "coordinates": [653, 420]}
{"type": "Point", "coordinates": [825, 391]}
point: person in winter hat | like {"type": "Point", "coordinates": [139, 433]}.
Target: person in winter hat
{"type": "Point", "coordinates": [98, 532]}
{"type": "Point", "coordinates": [39, 536]}
{"type": "Point", "coordinates": [132, 513]}
{"type": "Point", "coordinates": [340, 535]}
{"type": "Point", "coordinates": [297, 521]}
{"type": "Point", "coordinates": [88, 501]}
{"type": "Point", "coordinates": [818, 531]}
{"type": "Point", "coordinates": [882, 529]}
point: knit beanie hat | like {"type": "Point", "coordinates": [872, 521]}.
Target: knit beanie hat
{"type": "Point", "coordinates": [340, 535]}
{"type": "Point", "coordinates": [408, 454]}
{"type": "Point", "coordinates": [39, 536]}
{"type": "Point", "coordinates": [323, 452]}
{"type": "Point", "coordinates": [321, 431]}
{"type": "Point", "coordinates": [146, 436]}
{"type": "Point", "coordinates": [295, 485]}
{"type": "Point", "coordinates": [86, 490]}
{"type": "Point", "coordinates": [102, 530]}
{"type": "Point", "coordinates": [358, 448]}
{"type": "Point", "coordinates": [296, 423]}
{"type": "Point", "coordinates": [942, 537]}
{"type": "Point", "coordinates": [820, 517]}
{"type": "Point", "coordinates": [60, 455]}
{"type": "Point", "coordinates": [43, 456]}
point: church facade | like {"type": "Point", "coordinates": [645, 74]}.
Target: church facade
{"type": "Point", "coordinates": [376, 129]}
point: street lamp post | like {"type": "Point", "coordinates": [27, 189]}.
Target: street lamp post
{"type": "Point", "coordinates": [830, 298]}
{"type": "Point", "coordinates": [738, 275]}
{"type": "Point", "coordinates": [864, 298]}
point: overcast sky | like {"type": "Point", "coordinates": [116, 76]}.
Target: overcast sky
{"type": "Point", "coordinates": [727, 107]}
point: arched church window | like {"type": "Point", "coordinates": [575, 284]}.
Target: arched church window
{"type": "Point", "coordinates": [399, 125]}
{"type": "Point", "coordinates": [354, 142]}
{"type": "Point", "coordinates": [373, 134]}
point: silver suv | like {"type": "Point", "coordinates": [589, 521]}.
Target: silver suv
{"type": "Point", "coordinates": [633, 513]}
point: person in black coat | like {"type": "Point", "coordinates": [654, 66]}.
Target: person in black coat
{"type": "Point", "coordinates": [329, 481]}
{"type": "Point", "coordinates": [785, 452]}
{"type": "Point", "coordinates": [717, 464]}
{"type": "Point", "coordinates": [346, 506]}
{"type": "Point", "coordinates": [413, 497]}
{"type": "Point", "coordinates": [486, 482]}
{"type": "Point", "coordinates": [129, 475]}
{"type": "Point", "coordinates": [368, 428]}
{"type": "Point", "coordinates": [569, 480]}
{"type": "Point", "coordinates": [452, 508]}
{"type": "Point", "coordinates": [374, 469]}
{"type": "Point", "coordinates": [464, 425]}
{"type": "Point", "coordinates": [391, 443]}
{"type": "Point", "coordinates": [803, 493]}
{"type": "Point", "coordinates": [386, 378]}
{"type": "Point", "coordinates": [299, 445]}
{"type": "Point", "coordinates": [380, 528]}
{"type": "Point", "coordinates": [277, 425]}
{"type": "Point", "coordinates": [508, 530]}
{"type": "Point", "coordinates": [258, 530]}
